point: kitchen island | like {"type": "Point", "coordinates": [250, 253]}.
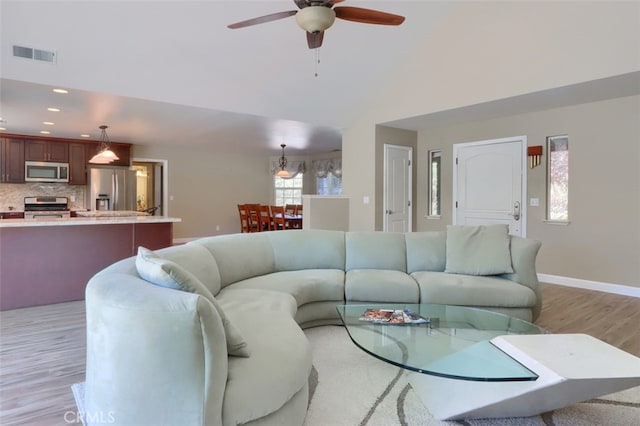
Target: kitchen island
{"type": "Point", "coordinates": [44, 261]}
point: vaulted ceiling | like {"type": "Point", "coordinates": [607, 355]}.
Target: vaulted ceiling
{"type": "Point", "coordinates": [171, 72]}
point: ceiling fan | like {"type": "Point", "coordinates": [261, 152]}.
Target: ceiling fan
{"type": "Point", "coordinates": [315, 16]}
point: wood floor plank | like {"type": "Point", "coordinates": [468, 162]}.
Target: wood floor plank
{"type": "Point", "coordinates": [42, 349]}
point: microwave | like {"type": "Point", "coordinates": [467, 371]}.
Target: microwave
{"type": "Point", "coordinates": [41, 171]}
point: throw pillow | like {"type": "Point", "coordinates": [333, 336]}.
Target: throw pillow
{"type": "Point", "coordinates": [478, 250]}
{"type": "Point", "coordinates": [165, 273]}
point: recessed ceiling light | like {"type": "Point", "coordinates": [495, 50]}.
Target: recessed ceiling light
{"type": "Point", "coordinates": [52, 109]}
{"type": "Point", "coordinates": [84, 135]}
{"type": "Point", "coordinates": [48, 123]}
{"type": "Point", "coordinates": [60, 91]}
{"type": "Point", "coordinates": [45, 132]}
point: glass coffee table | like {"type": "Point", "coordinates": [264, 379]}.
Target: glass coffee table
{"type": "Point", "coordinates": [472, 363]}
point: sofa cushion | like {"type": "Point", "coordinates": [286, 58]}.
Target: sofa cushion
{"type": "Point", "coordinates": [307, 285]}
{"type": "Point", "coordinates": [375, 250]}
{"type": "Point", "coordinates": [309, 249]}
{"type": "Point", "coordinates": [426, 251]}
{"type": "Point", "coordinates": [379, 285]}
{"type": "Point", "coordinates": [197, 260]}
{"type": "Point", "coordinates": [478, 250]}
{"type": "Point", "coordinates": [237, 300]}
{"type": "Point", "coordinates": [166, 273]}
{"type": "Point", "coordinates": [240, 256]}
{"type": "Point", "coordinates": [453, 289]}
{"type": "Point", "coordinates": [279, 366]}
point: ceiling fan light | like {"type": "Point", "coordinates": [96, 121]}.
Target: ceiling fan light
{"type": "Point", "coordinates": [314, 19]}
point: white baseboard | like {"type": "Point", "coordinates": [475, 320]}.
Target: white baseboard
{"type": "Point", "coordinates": [624, 290]}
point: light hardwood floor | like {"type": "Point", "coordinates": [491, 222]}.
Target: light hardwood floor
{"type": "Point", "coordinates": [42, 349]}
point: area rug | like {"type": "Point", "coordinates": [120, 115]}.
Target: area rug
{"type": "Point", "coordinates": [351, 388]}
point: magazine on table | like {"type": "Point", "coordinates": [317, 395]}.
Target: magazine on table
{"type": "Point", "coordinates": [392, 316]}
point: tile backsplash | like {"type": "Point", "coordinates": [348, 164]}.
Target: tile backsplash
{"type": "Point", "coordinates": [12, 194]}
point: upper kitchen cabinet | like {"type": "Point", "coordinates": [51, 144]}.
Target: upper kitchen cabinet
{"type": "Point", "coordinates": [123, 152]}
{"type": "Point", "coordinates": [78, 163]}
{"type": "Point", "coordinates": [11, 161]}
{"type": "Point", "coordinates": [40, 150]}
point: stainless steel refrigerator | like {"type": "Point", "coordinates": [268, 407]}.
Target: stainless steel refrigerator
{"type": "Point", "coordinates": [111, 188]}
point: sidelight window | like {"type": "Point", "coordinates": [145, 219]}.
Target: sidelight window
{"type": "Point", "coordinates": [558, 178]}
{"type": "Point", "coordinates": [435, 173]}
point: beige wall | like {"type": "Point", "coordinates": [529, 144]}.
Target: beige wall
{"type": "Point", "coordinates": [486, 51]}
{"type": "Point", "coordinates": [207, 186]}
{"type": "Point", "coordinates": [602, 241]}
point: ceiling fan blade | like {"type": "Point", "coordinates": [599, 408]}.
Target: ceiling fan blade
{"type": "Point", "coordinates": [262, 19]}
{"type": "Point", "coordinates": [367, 16]}
{"type": "Point", "coordinates": [314, 40]}
{"type": "Point", "coordinates": [305, 3]}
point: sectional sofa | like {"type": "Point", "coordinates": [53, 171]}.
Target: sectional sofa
{"type": "Point", "coordinates": [210, 332]}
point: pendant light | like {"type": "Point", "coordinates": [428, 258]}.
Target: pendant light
{"type": "Point", "coordinates": [282, 163]}
{"type": "Point", "coordinates": [104, 155]}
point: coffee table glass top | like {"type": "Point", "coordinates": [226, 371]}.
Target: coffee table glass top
{"type": "Point", "coordinates": [455, 342]}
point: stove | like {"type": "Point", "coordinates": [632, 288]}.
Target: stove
{"type": "Point", "coordinates": [46, 208]}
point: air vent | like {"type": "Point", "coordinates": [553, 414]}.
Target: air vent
{"type": "Point", "coordinates": [34, 54]}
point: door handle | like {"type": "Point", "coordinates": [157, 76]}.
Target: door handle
{"type": "Point", "coordinates": [389, 212]}
{"type": "Point", "coordinates": [516, 210]}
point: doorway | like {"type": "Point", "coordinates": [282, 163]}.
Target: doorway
{"type": "Point", "coordinates": [151, 186]}
{"type": "Point", "coordinates": [397, 188]}
{"type": "Point", "coordinates": [490, 183]}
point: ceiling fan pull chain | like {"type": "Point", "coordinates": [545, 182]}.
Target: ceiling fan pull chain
{"type": "Point", "coordinates": [317, 60]}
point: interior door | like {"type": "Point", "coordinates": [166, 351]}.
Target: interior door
{"type": "Point", "coordinates": [490, 183]}
{"type": "Point", "coordinates": [397, 188]}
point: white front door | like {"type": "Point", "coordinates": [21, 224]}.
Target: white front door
{"type": "Point", "coordinates": [397, 188]}
{"type": "Point", "coordinates": [489, 183]}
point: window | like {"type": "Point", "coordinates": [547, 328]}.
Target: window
{"type": "Point", "coordinates": [288, 191]}
{"type": "Point", "coordinates": [329, 185]}
{"type": "Point", "coordinates": [434, 182]}
{"type": "Point", "coordinates": [558, 178]}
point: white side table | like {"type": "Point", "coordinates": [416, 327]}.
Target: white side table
{"type": "Point", "coordinates": [571, 368]}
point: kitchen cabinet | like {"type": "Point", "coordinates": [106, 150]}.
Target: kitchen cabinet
{"type": "Point", "coordinates": [11, 161]}
{"type": "Point", "coordinates": [16, 149]}
{"type": "Point", "coordinates": [40, 150]}
{"type": "Point", "coordinates": [62, 258]}
{"type": "Point", "coordinates": [78, 163]}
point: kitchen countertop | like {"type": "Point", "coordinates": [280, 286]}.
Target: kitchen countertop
{"type": "Point", "coordinates": [96, 220]}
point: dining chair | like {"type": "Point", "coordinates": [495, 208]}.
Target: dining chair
{"type": "Point", "coordinates": [244, 217]}
{"type": "Point", "coordinates": [298, 210]}
{"type": "Point", "coordinates": [265, 218]}
{"type": "Point", "coordinates": [279, 222]}
{"type": "Point", "coordinates": [290, 208]}
{"type": "Point", "coordinates": [253, 211]}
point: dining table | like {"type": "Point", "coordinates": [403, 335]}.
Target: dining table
{"type": "Point", "coordinates": [293, 221]}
